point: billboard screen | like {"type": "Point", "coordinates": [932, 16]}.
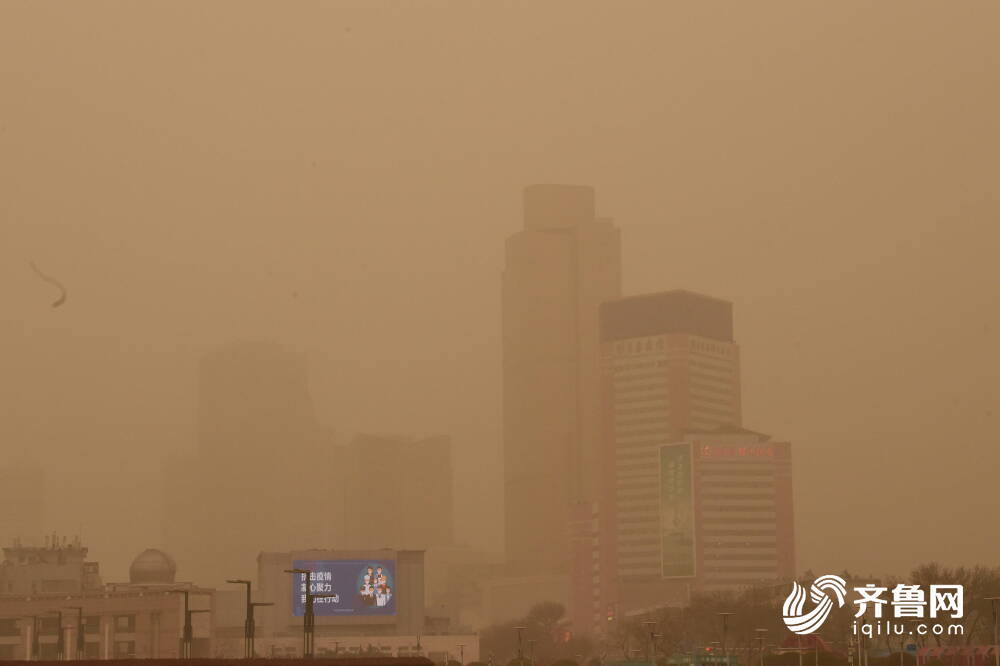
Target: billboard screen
{"type": "Point", "coordinates": [677, 556]}
{"type": "Point", "coordinates": [347, 587]}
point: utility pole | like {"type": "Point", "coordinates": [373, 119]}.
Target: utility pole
{"type": "Point", "coordinates": [309, 616]}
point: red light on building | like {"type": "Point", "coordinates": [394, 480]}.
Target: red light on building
{"type": "Point", "coordinates": [735, 451]}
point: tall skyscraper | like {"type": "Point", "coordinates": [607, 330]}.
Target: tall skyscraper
{"type": "Point", "coordinates": [670, 364]}
{"type": "Point", "coordinates": [691, 501]}
{"type": "Point", "coordinates": [559, 268]}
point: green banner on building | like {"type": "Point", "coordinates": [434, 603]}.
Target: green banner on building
{"type": "Point", "coordinates": [676, 511]}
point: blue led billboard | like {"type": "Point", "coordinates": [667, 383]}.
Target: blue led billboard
{"type": "Point", "coordinates": [345, 587]}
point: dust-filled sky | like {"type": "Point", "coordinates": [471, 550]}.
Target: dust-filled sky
{"type": "Point", "coordinates": [341, 176]}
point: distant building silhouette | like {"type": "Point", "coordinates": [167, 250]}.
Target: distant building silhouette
{"type": "Point", "coordinates": [253, 402]}
{"type": "Point", "coordinates": [266, 477]}
{"type": "Point", "coordinates": [259, 478]}
{"type": "Point", "coordinates": [394, 492]}
{"type": "Point", "coordinates": [558, 269]}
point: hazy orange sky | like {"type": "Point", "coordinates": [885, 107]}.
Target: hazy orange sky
{"type": "Point", "coordinates": [341, 176]}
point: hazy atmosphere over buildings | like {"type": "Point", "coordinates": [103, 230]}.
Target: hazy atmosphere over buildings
{"type": "Point", "coordinates": [340, 178]}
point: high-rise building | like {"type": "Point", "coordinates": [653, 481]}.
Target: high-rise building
{"type": "Point", "coordinates": [253, 402]}
{"type": "Point", "coordinates": [726, 518]}
{"type": "Point", "coordinates": [670, 364]}
{"type": "Point", "coordinates": [558, 269]}
{"type": "Point", "coordinates": [684, 482]}
{"type": "Point", "coordinates": [394, 492]}
{"type": "Point", "coordinates": [260, 475]}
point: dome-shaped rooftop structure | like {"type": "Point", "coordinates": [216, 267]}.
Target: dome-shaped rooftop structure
{"type": "Point", "coordinates": [152, 567]}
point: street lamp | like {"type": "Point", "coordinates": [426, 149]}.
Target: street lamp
{"type": "Point", "coordinates": [309, 616]}
{"type": "Point", "coordinates": [725, 624]}
{"type": "Point", "coordinates": [249, 624]}
{"type": "Point", "coordinates": [996, 643]}
{"type": "Point", "coordinates": [188, 637]}
{"type": "Point", "coordinates": [520, 651]}
{"type": "Point", "coordinates": [761, 635]}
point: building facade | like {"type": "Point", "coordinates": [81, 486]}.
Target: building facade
{"type": "Point", "coordinates": [260, 459]}
{"type": "Point", "coordinates": [670, 373]}
{"type": "Point", "coordinates": [53, 605]}
{"type": "Point", "coordinates": [558, 269]}
{"type": "Point", "coordinates": [413, 506]}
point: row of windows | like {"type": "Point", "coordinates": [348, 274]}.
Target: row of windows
{"type": "Point", "coordinates": [49, 626]}
{"type": "Point", "coordinates": [658, 396]}
{"type": "Point", "coordinates": [713, 348]}
{"type": "Point", "coordinates": [638, 346]}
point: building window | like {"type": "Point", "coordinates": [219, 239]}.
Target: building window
{"type": "Point", "coordinates": [8, 627]}
{"type": "Point", "coordinates": [125, 623]}
{"type": "Point", "coordinates": [92, 650]}
{"type": "Point", "coordinates": [124, 649]}
{"type": "Point", "coordinates": [7, 651]}
{"type": "Point", "coordinates": [91, 624]}
{"type": "Point", "coordinates": [48, 626]}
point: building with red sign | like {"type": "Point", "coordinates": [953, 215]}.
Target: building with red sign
{"type": "Point", "coordinates": [691, 501]}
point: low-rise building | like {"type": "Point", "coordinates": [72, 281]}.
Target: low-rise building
{"type": "Point", "coordinates": [54, 605]}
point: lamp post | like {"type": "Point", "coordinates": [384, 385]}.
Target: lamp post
{"type": "Point", "coordinates": [187, 631]}
{"type": "Point", "coordinates": [81, 640]}
{"type": "Point", "coordinates": [649, 642]}
{"type": "Point", "coordinates": [188, 637]}
{"type": "Point", "coordinates": [253, 625]}
{"type": "Point", "coordinates": [249, 624]}
{"type": "Point", "coordinates": [761, 635]}
{"type": "Point", "coordinates": [520, 651]}
{"type": "Point", "coordinates": [725, 624]}
{"type": "Point", "coordinates": [309, 616]}
{"type": "Point", "coordinates": [996, 642]}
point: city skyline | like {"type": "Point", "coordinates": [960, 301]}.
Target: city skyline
{"type": "Point", "coordinates": [189, 197]}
